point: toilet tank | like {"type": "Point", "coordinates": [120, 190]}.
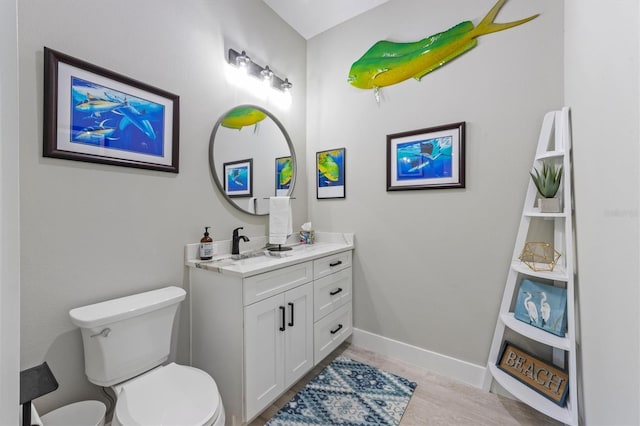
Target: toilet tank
{"type": "Point", "coordinates": [127, 336]}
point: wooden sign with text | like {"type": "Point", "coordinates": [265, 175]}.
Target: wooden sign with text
{"type": "Point", "coordinates": [540, 376]}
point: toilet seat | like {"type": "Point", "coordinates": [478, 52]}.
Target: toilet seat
{"type": "Point", "coordinates": [173, 395]}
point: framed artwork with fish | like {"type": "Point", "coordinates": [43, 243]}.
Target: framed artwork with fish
{"type": "Point", "coordinates": [330, 178]}
{"type": "Point", "coordinates": [96, 115]}
{"type": "Point", "coordinates": [284, 172]}
{"type": "Point", "coordinates": [431, 158]}
{"type": "Point", "coordinates": [238, 178]}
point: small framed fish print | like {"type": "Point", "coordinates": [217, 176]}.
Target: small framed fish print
{"type": "Point", "coordinates": [96, 115]}
{"type": "Point", "coordinates": [284, 173]}
{"type": "Point", "coordinates": [238, 178]}
{"type": "Point", "coordinates": [431, 158]}
{"type": "Point", "coordinates": [330, 176]}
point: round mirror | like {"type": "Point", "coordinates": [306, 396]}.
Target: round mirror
{"type": "Point", "coordinates": [251, 158]}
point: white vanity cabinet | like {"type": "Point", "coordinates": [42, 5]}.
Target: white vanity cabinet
{"type": "Point", "coordinates": [278, 334]}
{"type": "Point", "coordinates": [259, 327]}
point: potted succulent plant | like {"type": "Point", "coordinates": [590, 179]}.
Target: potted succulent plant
{"type": "Point", "coordinates": [548, 182]}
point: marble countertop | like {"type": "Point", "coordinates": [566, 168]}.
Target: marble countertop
{"type": "Point", "coordinates": [256, 259]}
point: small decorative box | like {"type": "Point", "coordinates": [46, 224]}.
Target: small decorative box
{"type": "Point", "coordinates": [307, 237]}
{"type": "Point", "coordinates": [543, 306]}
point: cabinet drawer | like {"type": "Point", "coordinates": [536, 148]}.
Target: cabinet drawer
{"type": "Point", "coordinates": [330, 264]}
{"type": "Point", "coordinates": [330, 331]}
{"type": "Point", "coordinates": [259, 287]}
{"type": "Point", "coordinates": [331, 292]}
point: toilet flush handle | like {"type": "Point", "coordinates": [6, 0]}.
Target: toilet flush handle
{"type": "Point", "coordinates": [104, 333]}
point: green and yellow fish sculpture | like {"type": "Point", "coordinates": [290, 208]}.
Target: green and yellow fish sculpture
{"type": "Point", "coordinates": [387, 63]}
{"type": "Point", "coordinates": [242, 116]}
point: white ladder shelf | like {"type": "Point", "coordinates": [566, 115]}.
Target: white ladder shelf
{"type": "Point", "coordinates": [554, 144]}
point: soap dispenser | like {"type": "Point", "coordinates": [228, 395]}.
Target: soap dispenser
{"type": "Point", "coordinates": [206, 245]}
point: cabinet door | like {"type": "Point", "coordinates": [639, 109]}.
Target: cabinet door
{"type": "Point", "coordinates": [298, 339]}
{"type": "Point", "coordinates": [264, 359]}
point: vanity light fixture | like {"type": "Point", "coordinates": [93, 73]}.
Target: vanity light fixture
{"type": "Point", "coordinates": [267, 74]}
{"type": "Point", "coordinates": [286, 85]}
{"type": "Point", "coordinates": [243, 61]}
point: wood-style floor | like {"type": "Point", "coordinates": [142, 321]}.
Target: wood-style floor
{"type": "Point", "coordinates": [436, 401]}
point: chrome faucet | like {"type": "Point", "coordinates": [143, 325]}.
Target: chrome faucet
{"type": "Point", "coordinates": [235, 248]}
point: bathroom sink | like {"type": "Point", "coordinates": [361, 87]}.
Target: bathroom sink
{"type": "Point", "coordinates": [248, 255]}
{"type": "Point", "coordinates": [236, 260]}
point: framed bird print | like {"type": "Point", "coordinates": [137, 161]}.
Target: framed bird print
{"type": "Point", "coordinates": [543, 306]}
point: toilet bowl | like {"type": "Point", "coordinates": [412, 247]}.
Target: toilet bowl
{"type": "Point", "coordinates": [172, 395]}
{"type": "Point", "coordinates": [83, 413]}
{"type": "Point", "coordinates": [126, 346]}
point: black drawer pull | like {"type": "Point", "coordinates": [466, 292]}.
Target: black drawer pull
{"type": "Point", "coordinates": [282, 328]}
{"type": "Point", "coordinates": [334, 292]}
{"type": "Point", "coordinates": [337, 329]}
{"type": "Point", "coordinates": [291, 322]}
{"type": "Point", "coordinates": [339, 262]}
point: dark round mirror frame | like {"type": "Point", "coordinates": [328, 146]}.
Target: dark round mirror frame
{"type": "Point", "coordinates": [212, 167]}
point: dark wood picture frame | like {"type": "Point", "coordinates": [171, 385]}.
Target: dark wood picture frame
{"type": "Point", "coordinates": [95, 115]}
{"type": "Point", "coordinates": [430, 158]}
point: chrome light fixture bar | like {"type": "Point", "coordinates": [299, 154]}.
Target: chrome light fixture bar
{"type": "Point", "coordinates": [241, 60]}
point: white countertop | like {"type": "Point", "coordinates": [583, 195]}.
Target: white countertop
{"type": "Point", "coordinates": [261, 260]}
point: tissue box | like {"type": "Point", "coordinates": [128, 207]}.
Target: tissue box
{"type": "Point", "coordinates": [307, 237]}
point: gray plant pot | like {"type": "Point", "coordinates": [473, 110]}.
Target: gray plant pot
{"type": "Point", "coordinates": [549, 205]}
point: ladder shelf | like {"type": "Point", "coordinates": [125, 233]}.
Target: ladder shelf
{"type": "Point", "coordinates": [534, 333]}
{"type": "Point", "coordinates": [554, 145]}
{"type": "Point", "coordinates": [532, 398]}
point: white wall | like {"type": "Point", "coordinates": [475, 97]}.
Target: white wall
{"type": "Point", "coordinates": [430, 265]}
{"type": "Point", "coordinates": [9, 218]}
{"type": "Point", "coordinates": [92, 232]}
{"type": "Point", "coordinates": [601, 86]}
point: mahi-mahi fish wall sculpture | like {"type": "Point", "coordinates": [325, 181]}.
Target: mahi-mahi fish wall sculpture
{"type": "Point", "coordinates": [387, 63]}
{"type": "Point", "coordinates": [242, 116]}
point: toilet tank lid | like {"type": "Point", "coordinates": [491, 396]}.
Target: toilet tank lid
{"type": "Point", "coordinates": [110, 311]}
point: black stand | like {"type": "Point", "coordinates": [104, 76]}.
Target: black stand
{"type": "Point", "coordinates": [35, 382]}
{"type": "Point", "coordinates": [279, 248]}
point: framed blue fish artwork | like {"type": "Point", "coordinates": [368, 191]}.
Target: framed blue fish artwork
{"type": "Point", "coordinates": [238, 178]}
{"type": "Point", "coordinates": [330, 173]}
{"type": "Point", "coordinates": [431, 158]}
{"type": "Point", "coordinates": [96, 115]}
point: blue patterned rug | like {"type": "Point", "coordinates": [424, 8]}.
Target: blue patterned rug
{"type": "Point", "coordinates": [349, 393]}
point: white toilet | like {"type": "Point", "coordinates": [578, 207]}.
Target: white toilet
{"type": "Point", "coordinates": [126, 340]}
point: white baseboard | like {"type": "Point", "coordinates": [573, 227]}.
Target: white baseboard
{"type": "Point", "coordinates": [464, 371]}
